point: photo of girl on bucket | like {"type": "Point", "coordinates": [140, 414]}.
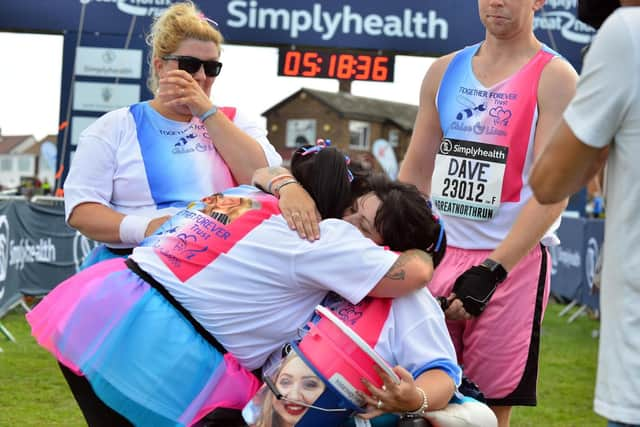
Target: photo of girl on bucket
{"type": "Point", "coordinates": [295, 380]}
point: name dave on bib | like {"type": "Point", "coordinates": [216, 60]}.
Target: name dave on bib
{"type": "Point", "coordinates": [467, 178]}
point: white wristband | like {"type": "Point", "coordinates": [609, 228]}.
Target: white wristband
{"type": "Point", "coordinates": [132, 229]}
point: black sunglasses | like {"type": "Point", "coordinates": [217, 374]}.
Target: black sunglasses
{"type": "Point", "coordinates": [192, 65]}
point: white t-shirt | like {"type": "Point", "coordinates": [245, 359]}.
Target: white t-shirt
{"type": "Point", "coordinates": [252, 283]}
{"type": "Point", "coordinates": [606, 111]}
{"type": "Point", "coordinates": [136, 161]}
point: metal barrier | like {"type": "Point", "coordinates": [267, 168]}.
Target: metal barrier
{"type": "Point", "coordinates": [48, 200]}
{"type": "Point", "coordinates": [38, 249]}
{"type": "Point", "coordinates": [574, 262]}
{"type": "Point", "coordinates": [12, 197]}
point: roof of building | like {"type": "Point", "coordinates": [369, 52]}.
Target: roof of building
{"type": "Point", "coordinates": [8, 143]}
{"type": "Point", "coordinates": [35, 148]}
{"type": "Point", "coordinates": [360, 107]}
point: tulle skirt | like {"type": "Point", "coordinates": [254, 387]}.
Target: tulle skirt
{"type": "Point", "coordinates": [141, 356]}
{"type": "Point", "coordinates": [98, 254]}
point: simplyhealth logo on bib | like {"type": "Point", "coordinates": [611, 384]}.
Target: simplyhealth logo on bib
{"type": "Point", "coordinates": [467, 179]}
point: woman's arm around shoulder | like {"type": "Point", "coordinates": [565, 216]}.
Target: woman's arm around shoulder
{"type": "Point", "coordinates": [411, 271]}
{"type": "Point", "coordinates": [296, 205]}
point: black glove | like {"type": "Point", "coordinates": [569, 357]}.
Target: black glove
{"type": "Point", "coordinates": [444, 303]}
{"type": "Point", "coordinates": [471, 389]}
{"type": "Point", "coordinates": [475, 287]}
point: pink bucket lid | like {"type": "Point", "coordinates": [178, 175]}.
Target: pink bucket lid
{"type": "Point", "coordinates": [342, 356]}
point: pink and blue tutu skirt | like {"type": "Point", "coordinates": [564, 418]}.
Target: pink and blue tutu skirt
{"type": "Point", "coordinates": [142, 357]}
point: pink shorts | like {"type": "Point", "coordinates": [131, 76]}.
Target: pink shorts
{"type": "Point", "coordinates": [499, 349]}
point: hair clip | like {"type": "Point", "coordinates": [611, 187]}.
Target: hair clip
{"type": "Point", "coordinates": [349, 173]}
{"type": "Point", "coordinates": [433, 248]}
{"type": "Point", "coordinates": [440, 235]}
{"type": "Point", "coordinates": [320, 144]}
{"type": "Point", "coordinates": [209, 20]}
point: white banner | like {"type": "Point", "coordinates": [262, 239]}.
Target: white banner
{"type": "Point", "coordinates": [104, 96]}
{"type": "Point", "coordinates": [107, 62]}
{"type": "Point", "coordinates": [78, 124]}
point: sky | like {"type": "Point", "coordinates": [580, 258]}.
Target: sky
{"type": "Point", "coordinates": [31, 71]}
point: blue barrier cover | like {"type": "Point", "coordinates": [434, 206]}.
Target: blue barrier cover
{"type": "Point", "coordinates": [574, 260]}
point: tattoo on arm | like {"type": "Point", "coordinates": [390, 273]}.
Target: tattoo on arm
{"type": "Point", "coordinates": [397, 271]}
{"type": "Point", "coordinates": [395, 274]}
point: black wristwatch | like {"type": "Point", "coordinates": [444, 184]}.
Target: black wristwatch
{"type": "Point", "coordinates": [496, 268]}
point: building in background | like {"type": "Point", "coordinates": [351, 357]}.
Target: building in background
{"type": "Point", "coordinates": [25, 159]}
{"type": "Point", "coordinates": [353, 123]}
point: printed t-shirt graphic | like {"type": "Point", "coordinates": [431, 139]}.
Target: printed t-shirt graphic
{"type": "Point", "coordinates": [195, 237]}
{"type": "Point", "coordinates": [180, 160]}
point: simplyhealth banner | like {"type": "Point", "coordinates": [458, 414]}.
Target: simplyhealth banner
{"type": "Point", "coordinates": [37, 250]}
{"type": "Point", "coordinates": [421, 27]}
{"type": "Point", "coordinates": [574, 260]}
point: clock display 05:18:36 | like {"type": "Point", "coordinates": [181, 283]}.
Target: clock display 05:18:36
{"type": "Point", "coordinates": [343, 66]}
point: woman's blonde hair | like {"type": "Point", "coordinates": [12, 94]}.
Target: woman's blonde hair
{"type": "Point", "coordinates": [268, 417]}
{"type": "Point", "coordinates": [179, 22]}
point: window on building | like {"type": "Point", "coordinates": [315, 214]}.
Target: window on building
{"type": "Point", "coordinates": [300, 132]}
{"type": "Point", "coordinates": [394, 137]}
{"type": "Point", "coordinates": [25, 164]}
{"type": "Point", "coordinates": [6, 164]}
{"type": "Point", "coordinates": [359, 135]}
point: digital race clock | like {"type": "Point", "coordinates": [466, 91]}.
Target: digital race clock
{"type": "Point", "coordinates": [336, 65]}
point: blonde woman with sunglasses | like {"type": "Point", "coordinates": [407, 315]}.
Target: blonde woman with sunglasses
{"type": "Point", "coordinates": [134, 166]}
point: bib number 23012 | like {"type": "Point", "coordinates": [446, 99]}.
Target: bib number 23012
{"type": "Point", "coordinates": [464, 190]}
{"type": "Point", "coordinates": [467, 179]}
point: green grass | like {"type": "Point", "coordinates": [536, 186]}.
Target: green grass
{"type": "Point", "coordinates": [34, 393]}
{"type": "Point", "coordinates": [566, 379]}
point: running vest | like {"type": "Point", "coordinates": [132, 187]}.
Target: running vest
{"type": "Point", "coordinates": [180, 161]}
{"type": "Point", "coordinates": [479, 182]}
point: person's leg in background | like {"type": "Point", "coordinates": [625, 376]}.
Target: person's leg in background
{"type": "Point", "coordinates": [95, 411]}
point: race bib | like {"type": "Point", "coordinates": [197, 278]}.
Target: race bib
{"type": "Point", "coordinates": [467, 179]}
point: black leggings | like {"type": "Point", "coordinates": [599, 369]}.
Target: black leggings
{"type": "Point", "coordinates": [95, 411]}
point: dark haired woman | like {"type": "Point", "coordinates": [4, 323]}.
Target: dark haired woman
{"type": "Point", "coordinates": [391, 212]}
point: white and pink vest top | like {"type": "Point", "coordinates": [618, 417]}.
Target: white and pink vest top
{"type": "Point", "coordinates": [479, 182]}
